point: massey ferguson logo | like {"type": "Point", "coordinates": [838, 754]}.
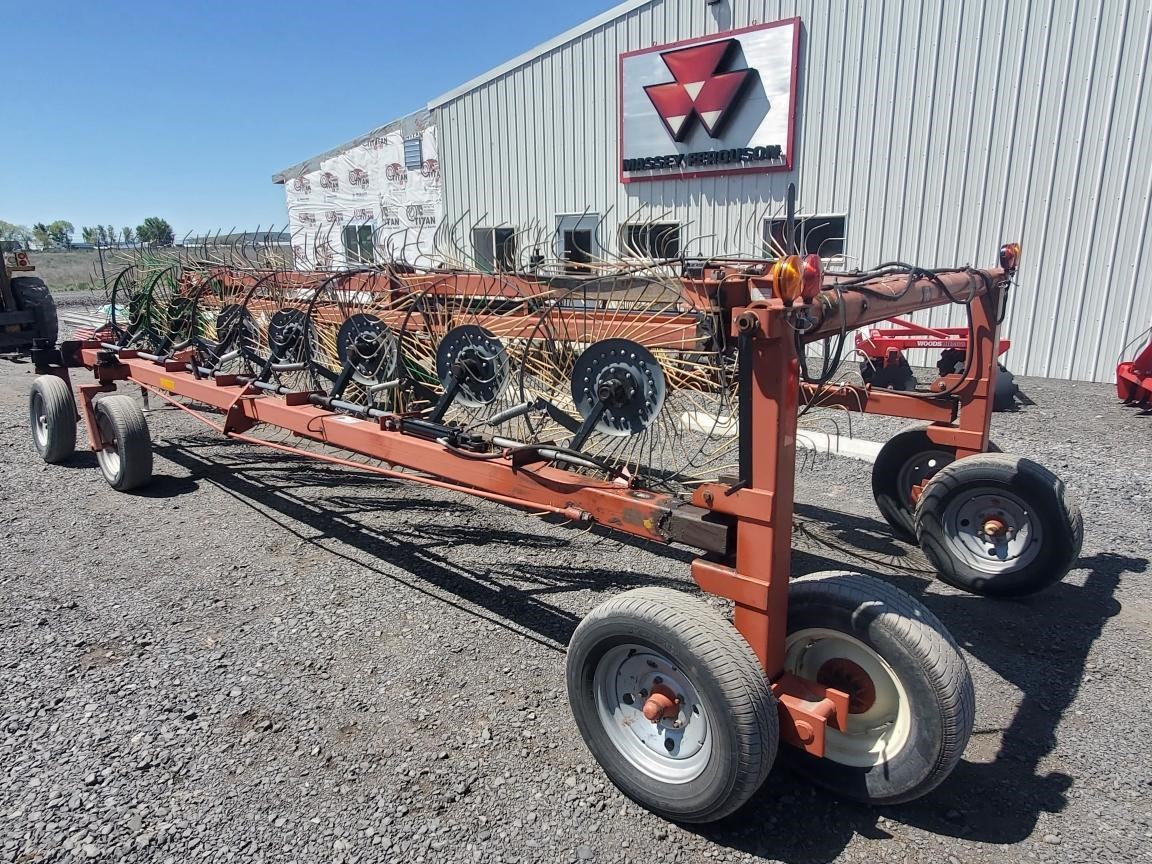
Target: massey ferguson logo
{"type": "Point", "coordinates": [329, 181]}
{"type": "Point", "coordinates": [396, 174]}
{"type": "Point", "coordinates": [301, 184]}
{"type": "Point", "coordinates": [358, 177]}
{"type": "Point", "coordinates": [700, 89]}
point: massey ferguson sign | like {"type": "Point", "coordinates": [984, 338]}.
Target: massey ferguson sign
{"type": "Point", "coordinates": [718, 105]}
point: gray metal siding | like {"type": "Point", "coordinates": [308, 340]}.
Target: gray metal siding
{"type": "Point", "coordinates": [940, 127]}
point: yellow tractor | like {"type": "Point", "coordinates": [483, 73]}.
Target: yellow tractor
{"type": "Point", "coordinates": [27, 310]}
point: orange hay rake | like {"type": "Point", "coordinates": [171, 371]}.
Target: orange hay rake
{"type": "Point", "coordinates": [662, 407]}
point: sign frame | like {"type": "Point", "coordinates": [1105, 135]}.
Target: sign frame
{"type": "Point", "coordinates": [700, 40]}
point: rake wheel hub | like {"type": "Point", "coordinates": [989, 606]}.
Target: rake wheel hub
{"type": "Point", "coordinates": [477, 360]}
{"type": "Point", "coordinates": [286, 334]}
{"type": "Point", "coordinates": [626, 379]}
{"type": "Point", "coordinates": [366, 342]}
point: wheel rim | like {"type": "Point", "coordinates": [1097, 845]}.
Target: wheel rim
{"type": "Point", "coordinates": [109, 455]}
{"type": "Point", "coordinates": [992, 530]}
{"type": "Point", "coordinates": [39, 421]}
{"type": "Point", "coordinates": [674, 749]}
{"type": "Point", "coordinates": [879, 716]}
{"type": "Point", "coordinates": [917, 471]}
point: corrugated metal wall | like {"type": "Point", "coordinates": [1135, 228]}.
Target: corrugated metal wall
{"type": "Point", "coordinates": [939, 127]}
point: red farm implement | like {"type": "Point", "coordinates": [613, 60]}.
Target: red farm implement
{"type": "Point", "coordinates": [884, 364]}
{"type": "Point", "coordinates": [612, 401]}
{"type": "Point", "coordinates": [1134, 377]}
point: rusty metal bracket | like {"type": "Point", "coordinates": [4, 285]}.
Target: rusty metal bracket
{"type": "Point", "coordinates": [807, 711]}
{"type": "Point", "coordinates": [88, 393]}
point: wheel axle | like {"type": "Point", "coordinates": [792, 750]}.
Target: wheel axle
{"type": "Point", "coordinates": [662, 704]}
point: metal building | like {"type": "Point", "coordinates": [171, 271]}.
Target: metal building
{"type": "Point", "coordinates": [927, 132]}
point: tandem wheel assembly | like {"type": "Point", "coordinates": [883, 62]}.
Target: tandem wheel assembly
{"type": "Point", "coordinates": [990, 524]}
{"type": "Point", "coordinates": [672, 703]}
{"type": "Point", "coordinates": [125, 451]}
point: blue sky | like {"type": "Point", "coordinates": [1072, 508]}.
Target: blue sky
{"type": "Point", "coordinates": [115, 111]}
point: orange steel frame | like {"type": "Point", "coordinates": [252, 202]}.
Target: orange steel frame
{"type": "Point", "coordinates": [960, 416]}
{"type": "Point", "coordinates": [758, 511]}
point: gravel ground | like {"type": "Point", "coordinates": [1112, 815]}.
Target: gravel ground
{"type": "Point", "coordinates": [262, 659]}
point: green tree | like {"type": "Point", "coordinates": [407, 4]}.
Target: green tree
{"type": "Point", "coordinates": [156, 232]}
{"type": "Point", "coordinates": [14, 236]}
{"type": "Point", "coordinates": [127, 235]}
{"type": "Point", "coordinates": [89, 235]}
{"type": "Point", "coordinates": [42, 235]}
{"type": "Point", "coordinates": [61, 232]}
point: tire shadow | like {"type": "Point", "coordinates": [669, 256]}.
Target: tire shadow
{"type": "Point", "coordinates": [80, 459]}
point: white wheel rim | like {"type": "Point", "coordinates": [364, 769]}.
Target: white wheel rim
{"type": "Point", "coordinates": [874, 735]}
{"type": "Point", "coordinates": [1013, 541]}
{"type": "Point", "coordinates": [40, 421]}
{"type": "Point", "coordinates": [675, 749]}
{"type": "Point", "coordinates": [108, 456]}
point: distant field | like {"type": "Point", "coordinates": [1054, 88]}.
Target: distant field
{"type": "Point", "coordinates": [71, 271]}
{"type": "Point", "coordinates": [79, 269]}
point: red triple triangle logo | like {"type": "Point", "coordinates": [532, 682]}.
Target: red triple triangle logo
{"type": "Point", "coordinates": [700, 89]}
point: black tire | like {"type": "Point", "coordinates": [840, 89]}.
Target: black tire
{"type": "Point", "coordinates": [679, 637]}
{"type": "Point", "coordinates": [126, 459]}
{"type": "Point", "coordinates": [1004, 394]}
{"type": "Point", "coordinates": [33, 295]}
{"type": "Point", "coordinates": [52, 418]}
{"type": "Point", "coordinates": [908, 458]}
{"type": "Point", "coordinates": [931, 720]}
{"type": "Point", "coordinates": [1045, 530]}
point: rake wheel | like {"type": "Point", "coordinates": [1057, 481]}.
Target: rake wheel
{"type": "Point", "coordinates": [355, 322]}
{"type": "Point", "coordinates": [226, 333]}
{"type": "Point", "coordinates": [633, 342]}
{"type": "Point", "coordinates": [277, 306]}
{"type": "Point", "coordinates": [160, 312]}
{"type": "Point", "coordinates": [473, 323]}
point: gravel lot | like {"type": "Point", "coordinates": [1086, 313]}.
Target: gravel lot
{"type": "Point", "coordinates": [262, 659]}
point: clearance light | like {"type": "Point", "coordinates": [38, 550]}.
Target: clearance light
{"type": "Point", "coordinates": [1010, 256]}
{"type": "Point", "coordinates": [811, 278]}
{"type": "Point", "coordinates": [787, 278]}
